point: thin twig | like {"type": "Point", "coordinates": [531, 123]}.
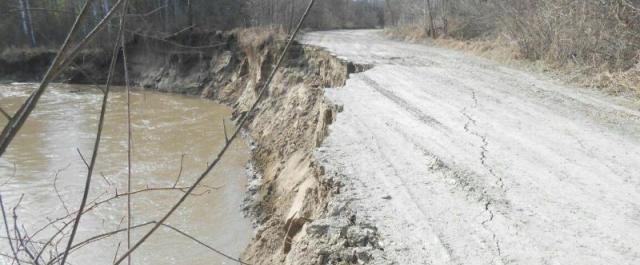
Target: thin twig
{"type": "Point", "coordinates": [55, 187]}
{"type": "Point", "coordinates": [111, 233]}
{"type": "Point", "coordinates": [205, 245]}
{"type": "Point", "coordinates": [82, 157]}
{"type": "Point", "coordinates": [94, 205]}
{"type": "Point", "coordinates": [22, 239]}
{"type": "Point", "coordinates": [129, 132]}
{"type": "Point", "coordinates": [115, 256]}
{"type": "Point", "coordinates": [179, 172]}
{"type": "Point", "coordinates": [224, 128]}
{"type": "Point", "coordinates": [5, 114]}
{"type": "Point", "coordinates": [15, 227]}
{"type": "Point", "coordinates": [9, 256]}
{"type": "Point", "coordinates": [244, 119]}
{"type": "Point", "coordinates": [106, 179]}
{"type": "Point", "coordinates": [179, 31]}
{"type": "Point", "coordinates": [6, 227]}
{"type": "Point", "coordinates": [30, 240]}
{"type": "Point", "coordinates": [208, 46]}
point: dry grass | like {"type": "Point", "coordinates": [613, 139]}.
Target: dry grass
{"type": "Point", "coordinates": [410, 33]}
{"type": "Point", "coordinates": [254, 40]}
{"type": "Point", "coordinates": [506, 50]}
{"type": "Point", "coordinates": [258, 36]}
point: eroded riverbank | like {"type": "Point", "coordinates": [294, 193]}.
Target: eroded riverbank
{"type": "Point", "coordinates": [290, 196]}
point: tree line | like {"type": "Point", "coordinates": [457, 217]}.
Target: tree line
{"type": "Point", "coordinates": [44, 23]}
{"type": "Point", "coordinates": [586, 32]}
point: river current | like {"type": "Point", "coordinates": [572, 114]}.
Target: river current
{"type": "Point", "coordinates": [174, 137]}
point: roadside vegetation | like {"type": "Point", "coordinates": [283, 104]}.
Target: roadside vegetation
{"type": "Point", "coordinates": [594, 43]}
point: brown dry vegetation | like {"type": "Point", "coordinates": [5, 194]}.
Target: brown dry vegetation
{"type": "Point", "coordinates": [593, 43]}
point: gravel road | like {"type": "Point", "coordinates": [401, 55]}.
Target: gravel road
{"type": "Point", "coordinates": [458, 160]}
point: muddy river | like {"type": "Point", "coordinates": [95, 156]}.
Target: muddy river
{"type": "Point", "coordinates": [43, 166]}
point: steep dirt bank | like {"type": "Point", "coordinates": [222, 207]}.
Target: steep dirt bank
{"type": "Point", "coordinates": [297, 223]}
{"type": "Point", "coordinates": [289, 192]}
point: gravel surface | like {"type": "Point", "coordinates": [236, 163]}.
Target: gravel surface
{"type": "Point", "coordinates": [458, 160]}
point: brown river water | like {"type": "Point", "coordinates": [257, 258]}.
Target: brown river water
{"type": "Point", "coordinates": [43, 158]}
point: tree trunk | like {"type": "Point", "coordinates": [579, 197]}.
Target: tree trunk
{"type": "Point", "coordinates": [391, 16]}
{"type": "Point", "coordinates": [189, 13]}
{"type": "Point", "coordinates": [445, 19]}
{"type": "Point", "coordinates": [166, 15]}
{"type": "Point", "coordinates": [27, 23]}
{"type": "Point", "coordinates": [431, 27]}
{"type": "Point", "coordinates": [105, 10]}
{"type": "Point", "coordinates": [292, 13]}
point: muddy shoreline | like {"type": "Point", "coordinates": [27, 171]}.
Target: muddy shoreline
{"type": "Point", "coordinates": [289, 197]}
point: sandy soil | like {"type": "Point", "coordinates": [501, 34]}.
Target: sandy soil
{"type": "Point", "coordinates": [457, 160]}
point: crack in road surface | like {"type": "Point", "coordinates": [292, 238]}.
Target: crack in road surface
{"type": "Point", "coordinates": [483, 161]}
{"type": "Point", "coordinates": [483, 158]}
{"type": "Point", "coordinates": [480, 163]}
{"type": "Point", "coordinates": [484, 148]}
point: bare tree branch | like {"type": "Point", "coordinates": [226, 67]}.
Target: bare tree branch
{"type": "Point", "coordinates": [244, 119]}
{"type": "Point", "coordinates": [96, 147]}
{"type": "Point", "coordinates": [129, 134]}
{"type": "Point", "coordinates": [22, 239]}
{"type": "Point", "coordinates": [5, 114]}
{"type": "Point", "coordinates": [55, 187]}
{"type": "Point", "coordinates": [14, 125]}
{"type": "Point", "coordinates": [179, 172]}
{"type": "Point", "coordinates": [111, 233]}
{"type": "Point", "coordinates": [6, 227]}
{"type": "Point", "coordinates": [82, 157]}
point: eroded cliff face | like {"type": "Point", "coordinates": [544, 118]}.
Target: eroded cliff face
{"type": "Point", "coordinates": [290, 196]}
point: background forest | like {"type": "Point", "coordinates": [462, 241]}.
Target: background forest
{"type": "Point", "coordinates": [599, 37]}
{"type": "Point", "coordinates": [44, 23]}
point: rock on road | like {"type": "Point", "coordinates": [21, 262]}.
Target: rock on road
{"type": "Point", "coordinates": [458, 160]}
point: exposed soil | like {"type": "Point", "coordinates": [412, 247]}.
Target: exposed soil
{"type": "Point", "coordinates": [289, 192]}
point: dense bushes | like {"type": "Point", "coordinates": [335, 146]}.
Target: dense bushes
{"type": "Point", "coordinates": [595, 36]}
{"type": "Point", "coordinates": [589, 32]}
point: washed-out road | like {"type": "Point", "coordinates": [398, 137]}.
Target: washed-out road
{"type": "Point", "coordinates": [458, 160]}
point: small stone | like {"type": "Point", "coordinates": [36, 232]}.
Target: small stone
{"type": "Point", "coordinates": [388, 197]}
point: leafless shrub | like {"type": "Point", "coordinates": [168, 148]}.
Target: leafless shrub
{"type": "Point", "coordinates": [600, 39]}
